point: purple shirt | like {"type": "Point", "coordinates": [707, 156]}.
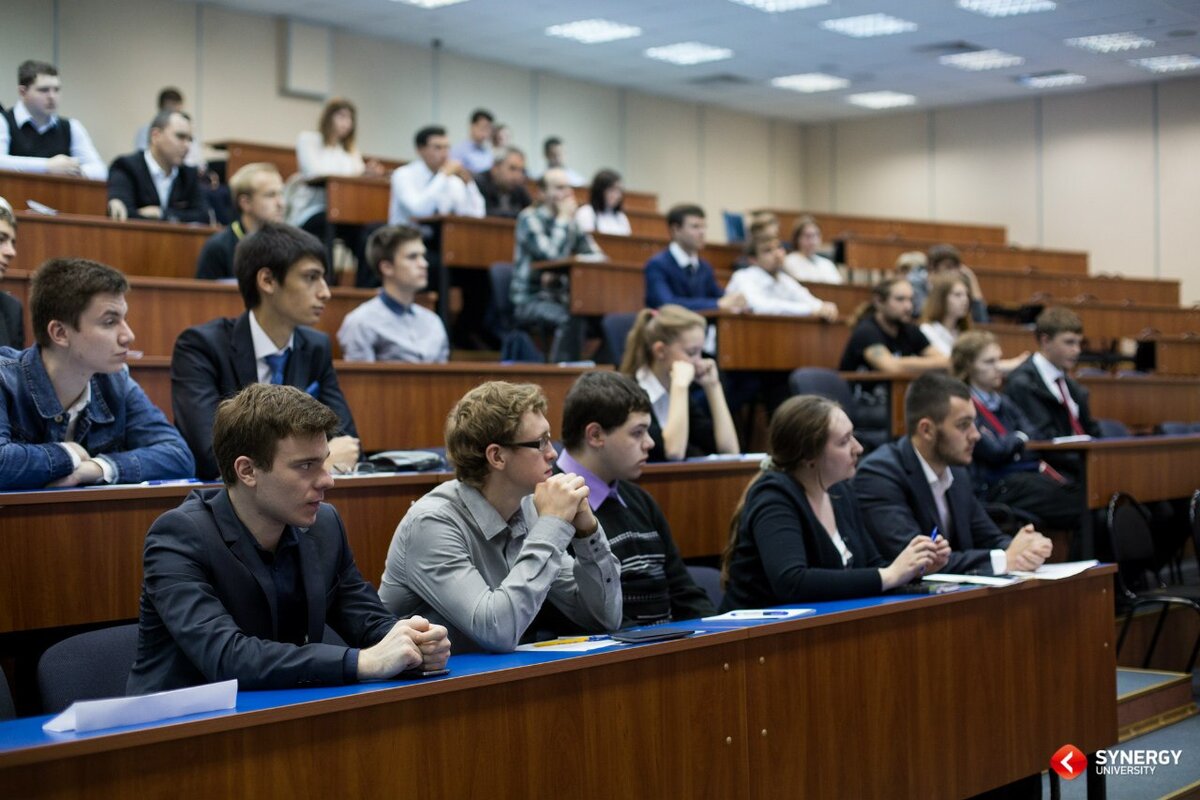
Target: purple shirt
{"type": "Point", "coordinates": [598, 490]}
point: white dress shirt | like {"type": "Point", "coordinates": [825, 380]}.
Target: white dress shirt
{"type": "Point", "coordinates": [417, 191]}
{"type": "Point", "coordinates": [1050, 375]}
{"type": "Point", "coordinates": [660, 398]}
{"type": "Point", "coordinates": [82, 149]}
{"type": "Point", "coordinates": [938, 487]}
{"type": "Point", "coordinates": [108, 470]}
{"type": "Point", "coordinates": [612, 223]}
{"type": "Point", "coordinates": [817, 269]}
{"type": "Point", "coordinates": [772, 294]}
{"type": "Point", "coordinates": [263, 347]}
{"type": "Point", "coordinates": [162, 180]}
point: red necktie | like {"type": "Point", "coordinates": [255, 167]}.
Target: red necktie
{"type": "Point", "coordinates": [1075, 426]}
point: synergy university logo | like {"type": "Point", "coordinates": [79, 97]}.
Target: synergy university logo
{"type": "Point", "coordinates": [1070, 762]}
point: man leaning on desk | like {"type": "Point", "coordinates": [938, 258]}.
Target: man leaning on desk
{"type": "Point", "coordinates": [71, 415]}
{"type": "Point", "coordinates": [247, 580]}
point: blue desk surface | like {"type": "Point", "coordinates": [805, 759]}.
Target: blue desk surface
{"type": "Point", "coordinates": [27, 732]}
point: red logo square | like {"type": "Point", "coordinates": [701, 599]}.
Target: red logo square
{"type": "Point", "coordinates": [1069, 762]}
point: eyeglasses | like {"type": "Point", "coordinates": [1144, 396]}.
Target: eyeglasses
{"type": "Point", "coordinates": [543, 443]}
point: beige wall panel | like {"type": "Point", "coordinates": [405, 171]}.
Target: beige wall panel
{"type": "Point", "coordinates": [662, 148]}
{"type": "Point", "coordinates": [27, 32]}
{"type": "Point", "coordinates": [985, 167]}
{"type": "Point", "coordinates": [736, 166]}
{"type": "Point", "coordinates": [113, 70]}
{"type": "Point", "coordinates": [466, 85]}
{"type": "Point", "coordinates": [818, 168]}
{"type": "Point", "coordinates": [586, 117]}
{"type": "Point", "coordinates": [1179, 166]}
{"type": "Point", "coordinates": [1099, 177]}
{"type": "Point", "coordinates": [390, 83]}
{"type": "Point", "coordinates": [786, 178]}
{"type": "Point", "coordinates": [882, 166]}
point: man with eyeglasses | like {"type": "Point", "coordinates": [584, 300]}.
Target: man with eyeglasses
{"type": "Point", "coordinates": [481, 554]}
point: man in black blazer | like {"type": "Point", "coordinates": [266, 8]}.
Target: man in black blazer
{"type": "Point", "coordinates": [240, 582]}
{"type": "Point", "coordinates": [12, 321]}
{"type": "Point", "coordinates": [281, 275]}
{"type": "Point", "coordinates": [920, 483]}
{"type": "Point", "coordinates": [155, 183]}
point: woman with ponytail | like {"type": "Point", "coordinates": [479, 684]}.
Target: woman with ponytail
{"type": "Point", "coordinates": [664, 354]}
{"type": "Point", "coordinates": [797, 535]}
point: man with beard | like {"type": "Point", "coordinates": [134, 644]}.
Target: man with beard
{"type": "Point", "coordinates": [920, 484]}
{"type": "Point", "coordinates": [884, 338]}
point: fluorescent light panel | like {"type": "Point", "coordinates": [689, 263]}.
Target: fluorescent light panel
{"type": "Point", "coordinates": [1006, 8]}
{"type": "Point", "coordinates": [978, 60]}
{"type": "Point", "coordinates": [1051, 80]}
{"type": "Point", "coordinates": [810, 82]}
{"type": "Point", "coordinates": [1110, 42]}
{"type": "Point", "coordinates": [593, 31]}
{"type": "Point", "coordinates": [779, 6]}
{"type": "Point", "coordinates": [429, 3]}
{"type": "Point", "coordinates": [687, 53]}
{"type": "Point", "coordinates": [878, 100]}
{"type": "Point", "coordinates": [869, 25]}
{"type": "Point", "coordinates": [1177, 63]}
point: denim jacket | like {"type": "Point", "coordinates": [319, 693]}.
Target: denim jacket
{"type": "Point", "coordinates": [119, 422]}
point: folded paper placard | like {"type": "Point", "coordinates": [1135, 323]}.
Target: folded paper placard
{"type": "Point", "coordinates": [94, 715]}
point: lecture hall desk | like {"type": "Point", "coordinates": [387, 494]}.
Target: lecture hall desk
{"type": "Point", "coordinates": [65, 194]}
{"type": "Point", "coordinates": [239, 153]}
{"type": "Point", "coordinates": [718, 715]}
{"type": "Point", "coordinates": [867, 253]}
{"type": "Point", "coordinates": [1150, 468]}
{"type": "Point", "coordinates": [74, 557]}
{"type": "Point", "coordinates": [1176, 355]}
{"type": "Point", "coordinates": [839, 226]}
{"type": "Point", "coordinates": [641, 202]}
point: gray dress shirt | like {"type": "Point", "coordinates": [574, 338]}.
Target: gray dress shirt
{"type": "Point", "coordinates": [455, 561]}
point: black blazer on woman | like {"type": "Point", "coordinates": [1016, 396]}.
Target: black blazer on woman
{"type": "Point", "coordinates": [784, 554]}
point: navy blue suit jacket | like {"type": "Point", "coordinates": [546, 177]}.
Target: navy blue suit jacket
{"type": "Point", "coordinates": [215, 360]}
{"type": "Point", "coordinates": [897, 504]}
{"type": "Point", "coordinates": [205, 613]}
{"type": "Point", "coordinates": [667, 282]}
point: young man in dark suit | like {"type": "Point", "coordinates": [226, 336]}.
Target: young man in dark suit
{"type": "Point", "coordinates": [920, 483]}
{"type": "Point", "coordinates": [281, 275]}
{"type": "Point", "coordinates": [155, 184]}
{"type": "Point", "coordinates": [241, 581]}
{"type": "Point", "coordinates": [678, 275]}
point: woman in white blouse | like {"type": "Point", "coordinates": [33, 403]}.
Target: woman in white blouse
{"type": "Point", "coordinates": [805, 264]}
{"type": "Point", "coordinates": [947, 311]}
{"type": "Point", "coordinates": [602, 213]}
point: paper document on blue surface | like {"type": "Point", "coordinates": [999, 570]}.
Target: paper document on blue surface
{"type": "Point", "coordinates": [761, 613]}
{"type": "Point", "coordinates": [566, 647]}
{"type": "Point", "coordinates": [1056, 572]}
{"type": "Point", "coordinates": [94, 715]}
{"type": "Point", "coordinates": [977, 580]}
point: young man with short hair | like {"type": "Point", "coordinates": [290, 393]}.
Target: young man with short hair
{"type": "Point", "coordinates": [70, 414]}
{"type": "Point", "coordinates": [606, 436]}
{"type": "Point", "coordinates": [475, 152]}
{"type": "Point", "coordinates": [555, 153]}
{"type": "Point", "coordinates": [503, 186]}
{"type": "Point", "coordinates": [155, 184]}
{"type": "Point", "coordinates": [919, 484]}
{"type": "Point", "coordinates": [433, 183]}
{"type": "Point", "coordinates": [34, 138]}
{"type": "Point", "coordinates": [770, 290]}
{"type": "Point", "coordinates": [12, 318]}
{"type": "Point", "coordinates": [679, 276]}
{"type": "Point", "coordinates": [391, 326]}
{"type": "Point", "coordinates": [241, 581]}
{"type": "Point", "coordinates": [281, 276]}
{"type": "Point", "coordinates": [482, 553]}
{"type": "Point", "coordinates": [257, 191]}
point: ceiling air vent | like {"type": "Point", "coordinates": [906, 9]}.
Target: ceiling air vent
{"type": "Point", "coordinates": [719, 80]}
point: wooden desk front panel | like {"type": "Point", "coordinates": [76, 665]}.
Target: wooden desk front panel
{"type": "Point", "coordinates": [986, 689]}
{"type": "Point", "coordinates": [838, 226]}
{"type": "Point", "coordinates": [1151, 469]}
{"type": "Point", "coordinates": [1107, 321]}
{"type": "Point", "coordinates": [153, 249]}
{"type": "Point", "coordinates": [606, 288]}
{"type": "Point", "coordinates": [865, 253]}
{"type": "Point", "coordinates": [1177, 356]}
{"type": "Point", "coordinates": [357, 201]}
{"type": "Point", "coordinates": [760, 342]}
{"type": "Point", "coordinates": [698, 501]}
{"type": "Point", "coordinates": [65, 194]}
{"type": "Point", "coordinates": [476, 243]}
{"type": "Point", "coordinates": [1142, 403]}
{"type": "Point", "coordinates": [1012, 288]}
{"type": "Point", "coordinates": [240, 153]}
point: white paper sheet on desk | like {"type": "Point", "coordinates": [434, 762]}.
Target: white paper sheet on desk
{"type": "Point", "coordinates": [94, 715]}
{"type": "Point", "coordinates": [1056, 572]}
{"type": "Point", "coordinates": [572, 647]}
{"type": "Point", "coordinates": [761, 613]}
{"type": "Point", "coordinates": [978, 580]}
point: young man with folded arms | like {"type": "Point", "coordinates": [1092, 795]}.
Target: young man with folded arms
{"type": "Point", "coordinates": [241, 581]}
{"type": "Point", "coordinates": [281, 276]}
{"type": "Point", "coordinates": [606, 434]}
{"type": "Point", "coordinates": [70, 413]}
{"type": "Point", "coordinates": [482, 553]}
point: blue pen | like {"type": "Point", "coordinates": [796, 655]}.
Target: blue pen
{"type": "Point", "coordinates": [313, 388]}
{"type": "Point", "coordinates": [172, 481]}
{"type": "Point", "coordinates": [933, 534]}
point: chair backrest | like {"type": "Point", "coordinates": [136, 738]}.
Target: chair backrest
{"type": "Point", "coordinates": [7, 709]}
{"type": "Point", "coordinates": [88, 666]}
{"type": "Point", "coordinates": [1112, 428]}
{"type": "Point", "coordinates": [1129, 529]}
{"type": "Point", "coordinates": [823, 382]}
{"type": "Point", "coordinates": [500, 277]}
{"type": "Point", "coordinates": [616, 327]}
{"type": "Point", "coordinates": [708, 579]}
{"type": "Point", "coordinates": [1175, 428]}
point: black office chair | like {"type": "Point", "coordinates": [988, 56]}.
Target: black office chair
{"type": "Point", "coordinates": [7, 709]}
{"type": "Point", "coordinates": [1132, 545]}
{"type": "Point", "coordinates": [708, 579]}
{"type": "Point", "coordinates": [88, 666]}
{"type": "Point", "coordinates": [501, 310]}
{"type": "Point", "coordinates": [870, 427]}
{"type": "Point", "coordinates": [1112, 428]}
{"type": "Point", "coordinates": [616, 327]}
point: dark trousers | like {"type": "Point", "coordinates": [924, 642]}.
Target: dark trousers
{"type": "Point", "coordinates": [1058, 506]}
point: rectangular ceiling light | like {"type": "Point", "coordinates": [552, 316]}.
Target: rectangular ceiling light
{"type": "Point", "coordinates": [687, 53]}
{"type": "Point", "coordinates": [429, 3]}
{"type": "Point", "coordinates": [1177, 63]}
{"type": "Point", "coordinates": [593, 31]}
{"type": "Point", "coordinates": [1051, 80]}
{"type": "Point", "coordinates": [779, 6]}
{"type": "Point", "coordinates": [810, 82]}
{"type": "Point", "coordinates": [1110, 42]}
{"type": "Point", "coordinates": [879, 100]}
{"type": "Point", "coordinates": [1006, 8]}
{"type": "Point", "coordinates": [978, 60]}
{"type": "Point", "coordinates": [869, 25]}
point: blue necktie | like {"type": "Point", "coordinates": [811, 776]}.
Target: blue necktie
{"type": "Point", "coordinates": [278, 363]}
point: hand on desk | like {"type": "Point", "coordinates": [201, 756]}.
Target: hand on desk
{"type": "Point", "coordinates": [150, 212]}
{"type": "Point", "coordinates": [828, 312]}
{"type": "Point", "coordinates": [1028, 551]}
{"type": "Point", "coordinates": [117, 210]}
{"type": "Point", "coordinates": [63, 165]}
{"type": "Point", "coordinates": [735, 301]}
{"type": "Point", "coordinates": [87, 473]}
{"type": "Point", "coordinates": [410, 644]}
